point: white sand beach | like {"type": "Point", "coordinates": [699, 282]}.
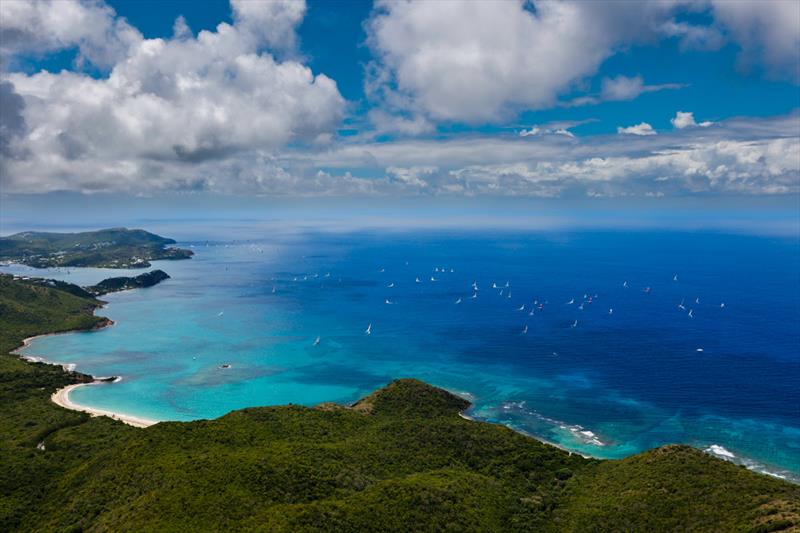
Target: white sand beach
{"type": "Point", "coordinates": [61, 397]}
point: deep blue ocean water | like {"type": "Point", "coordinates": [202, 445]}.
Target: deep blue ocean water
{"type": "Point", "coordinates": [609, 384]}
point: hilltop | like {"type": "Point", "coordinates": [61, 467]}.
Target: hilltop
{"type": "Point", "coordinates": [401, 459]}
{"type": "Point", "coordinates": [108, 248]}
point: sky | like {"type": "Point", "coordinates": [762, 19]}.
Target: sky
{"type": "Point", "coordinates": [636, 104]}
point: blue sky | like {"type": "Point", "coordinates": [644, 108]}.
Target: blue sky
{"type": "Point", "coordinates": [554, 101]}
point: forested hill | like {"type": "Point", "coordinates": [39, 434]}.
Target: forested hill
{"type": "Point", "coordinates": [401, 459]}
{"type": "Point", "coordinates": [109, 248]}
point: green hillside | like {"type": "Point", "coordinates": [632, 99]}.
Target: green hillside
{"type": "Point", "coordinates": [401, 459]}
{"type": "Point", "coordinates": [109, 248]}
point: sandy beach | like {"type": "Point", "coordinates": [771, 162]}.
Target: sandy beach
{"type": "Point", "coordinates": [61, 397]}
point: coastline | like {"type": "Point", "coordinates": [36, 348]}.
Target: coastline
{"type": "Point", "coordinates": [61, 398]}
{"type": "Point", "coordinates": [465, 416]}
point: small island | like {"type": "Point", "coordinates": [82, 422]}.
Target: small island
{"type": "Point", "coordinates": [124, 283]}
{"type": "Point", "coordinates": [108, 248]}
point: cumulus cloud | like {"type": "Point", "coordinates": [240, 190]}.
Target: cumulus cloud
{"type": "Point", "coordinates": [40, 26]}
{"type": "Point", "coordinates": [235, 110]}
{"type": "Point", "coordinates": [643, 128]}
{"type": "Point", "coordinates": [476, 61]}
{"type": "Point", "coordinates": [186, 100]}
{"type": "Point", "coordinates": [271, 23]}
{"type": "Point", "coordinates": [768, 34]}
{"type": "Point", "coordinates": [685, 119]}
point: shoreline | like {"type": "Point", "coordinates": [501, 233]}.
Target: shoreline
{"type": "Point", "coordinates": [464, 414]}
{"type": "Point", "coordinates": [61, 398]}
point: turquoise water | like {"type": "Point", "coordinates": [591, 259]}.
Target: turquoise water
{"type": "Point", "coordinates": [611, 385]}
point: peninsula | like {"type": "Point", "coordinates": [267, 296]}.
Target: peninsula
{"type": "Point", "coordinates": [401, 457]}
{"type": "Point", "coordinates": [108, 248]}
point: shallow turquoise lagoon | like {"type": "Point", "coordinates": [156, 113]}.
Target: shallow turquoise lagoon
{"type": "Point", "coordinates": [609, 362]}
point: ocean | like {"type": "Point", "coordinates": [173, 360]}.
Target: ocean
{"type": "Point", "coordinates": [606, 343]}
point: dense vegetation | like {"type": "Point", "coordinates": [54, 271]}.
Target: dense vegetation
{"type": "Point", "coordinates": [400, 459]}
{"type": "Point", "coordinates": [148, 279]}
{"type": "Point", "coordinates": [109, 248]}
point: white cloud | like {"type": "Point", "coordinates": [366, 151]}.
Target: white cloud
{"type": "Point", "coordinates": [536, 130]}
{"type": "Point", "coordinates": [767, 32]}
{"type": "Point", "coordinates": [217, 111]}
{"type": "Point", "coordinates": [628, 88]}
{"type": "Point", "coordinates": [184, 100]}
{"type": "Point", "coordinates": [270, 22]}
{"type": "Point", "coordinates": [621, 88]}
{"type": "Point", "coordinates": [558, 127]}
{"type": "Point", "coordinates": [384, 122]}
{"type": "Point", "coordinates": [739, 156]}
{"type": "Point", "coordinates": [40, 26]}
{"type": "Point", "coordinates": [411, 176]}
{"type": "Point", "coordinates": [685, 119]}
{"type": "Point", "coordinates": [478, 61]}
{"type": "Point", "coordinates": [643, 128]}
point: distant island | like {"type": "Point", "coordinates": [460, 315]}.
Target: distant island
{"type": "Point", "coordinates": [108, 248]}
{"type": "Point", "coordinates": [404, 458]}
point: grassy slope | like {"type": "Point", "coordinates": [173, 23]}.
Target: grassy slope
{"type": "Point", "coordinates": [401, 459]}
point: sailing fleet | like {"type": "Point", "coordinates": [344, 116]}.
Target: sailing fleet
{"type": "Point", "coordinates": [503, 290]}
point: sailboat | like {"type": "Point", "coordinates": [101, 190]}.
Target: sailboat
{"type": "Point", "coordinates": [316, 341]}
{"type": "Point", "coordinates": [368, 331]}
